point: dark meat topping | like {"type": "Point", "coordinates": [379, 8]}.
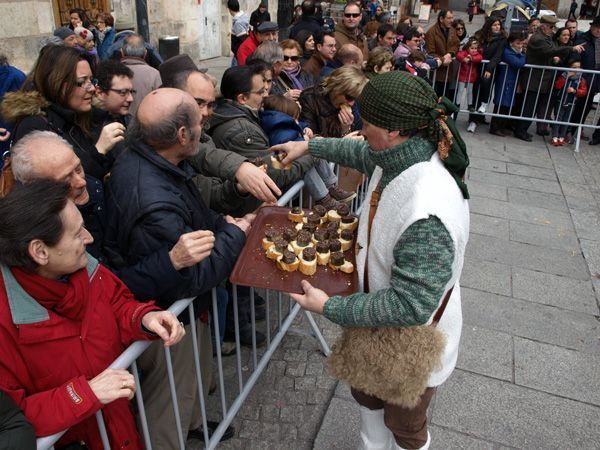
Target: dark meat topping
{"type": "Point", "coordinates": [346, 235]}
{"type": "Point", "coordinates": [309, 254]}
{"type": "Point", "coordinates": [320, 210]}
{"type": "Point", "coordinates": [280, 244]}
{"type": "Point", "coordinates": [348, 219]}
{"type": "Point", "coordinates": [296, 210]}
{"type": "Point", "coordinates": [337, 258]}
{"type": "Point", "coordinates": [323, 246]}
{"type": "Point", "coordinates": [335, 245]}
{"type": "Point", "coordinates": [314, 219]}
{"type": "Point", "coordinates": [342, 209]}
{"type": "Point", "coordinates": [271, 234]}
{"type": "Point", "coordinates": [303, 239]}
{"type": "Point", "coordinates": [321, 234]}
{"type": "Point", "coordinates": [288, 257]}
{"type": "Point", "coordinates": [289, 234]}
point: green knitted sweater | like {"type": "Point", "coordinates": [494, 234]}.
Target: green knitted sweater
{"type": "Point", "coordinates": [423, 255]}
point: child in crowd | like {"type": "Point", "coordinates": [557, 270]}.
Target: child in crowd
{"type": "Point", "coordinates": [470, 58]}
{"type": "Point", "coordinates": [85, 43]}
{"type": "Point", "coordinates": [507, 78]}
{"type": "Point", "coordinates": [569, 86]}
{"type": "Point", "coordinates": [280, 121]}
{"type": "Point", "coordinates": [415, 64]}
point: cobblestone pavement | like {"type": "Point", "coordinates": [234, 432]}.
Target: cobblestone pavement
{"type": "Point", "coordinates": [286, 407]}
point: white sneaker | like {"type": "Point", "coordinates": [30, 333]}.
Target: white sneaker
{"type": "Point", "coordinates": [482, 108]}
{"type": "Point", "coordinates": [471, 128]}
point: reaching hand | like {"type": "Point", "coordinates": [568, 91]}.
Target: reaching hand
{"type": "Point", "coordinates": [166, 325]}
{"type": "Point", "coordinates": [313, 299]}
{"type": "Point", "coordinates": [292, 150]}
{"type": "Point", "coordinates": [308, 134]}
{"type": "Point", "coordinates": [254, 180]}
{"type": "Point", "coordinates": [191, 248]}
{"type": "Point", "coordinates": [243, 223]}
{"type": "Point", "coordinates": [112, 384]}
{"type": "Point", "coordinates": [111, 134]}
{"type": "Point", "coordinates": [355, 135]}
{"type": "Point", "coordinates": [487, 75]}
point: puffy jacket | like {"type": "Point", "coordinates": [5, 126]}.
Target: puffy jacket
{"type": "Point", "coordinates": [109, 38]}
{"type": "Point", "coordinates": [47, 358]}
{"type": "Point", "coordinates": [30, 112]}
{"type": "Point", "coordinates": [492, 51]}
{"type": "Point", "coordinates": [507, 76]}
{"type": "Point", "coordinates": [246, 48]}
{"type": "Point", "coordinates": [280, 127]}
{"type": "Point", "coordinates": [588, 59]}
{"type": "Point", "coordinates": [562, 85]}
{"type": "Point", "coordinates": [469, 71]}
{"type": "Point", "coordinates": [237, 128]}
{"type": "Point", "coordinates": [150, 204]}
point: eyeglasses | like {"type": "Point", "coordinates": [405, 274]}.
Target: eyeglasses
{"type": "Point", "coordinates": [124, 92]}
{"type": "Point", "coordinates": [86, 82]}
{"type": "Point", "coordinates": [202, 103]}
{"type": "Point", "coordinates": [460, 28]}
{"type": "Point", "coordinates": [349, 98]}
{"type": "Point", "coordinates": [353, 15]}
{"type": "Point", "coordinates": [291, 58]}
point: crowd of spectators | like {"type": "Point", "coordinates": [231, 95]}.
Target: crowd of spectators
{"type": "Point", "coordinates": [130, 183]}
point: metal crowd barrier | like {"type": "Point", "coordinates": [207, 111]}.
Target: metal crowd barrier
{"type": "Point", "coordinates": [576, 116]}
{"type": "Point", "coordinates": [286, 312]}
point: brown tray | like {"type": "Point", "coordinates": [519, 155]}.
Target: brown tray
{"type": "Point", "coordinates": [254, 269]}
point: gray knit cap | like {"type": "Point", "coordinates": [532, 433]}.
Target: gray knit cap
{"type": "Point", "coordinates": [63, 32]}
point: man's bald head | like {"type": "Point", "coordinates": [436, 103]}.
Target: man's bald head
{"type": "Point", "coordinates": [166, 120]}
{"type": "Point", "coordinates": [349, 54]}
{"type": "Point", "coordinates": [45, 155]}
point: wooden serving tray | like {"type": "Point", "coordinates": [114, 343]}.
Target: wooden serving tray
{"type": "Point", "coordinates": [254, 269]}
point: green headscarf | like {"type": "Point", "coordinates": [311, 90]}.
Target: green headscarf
{"type": "Point", "coordinates": [402, 102]}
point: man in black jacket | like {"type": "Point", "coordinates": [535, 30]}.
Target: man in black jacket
{"type": "Point", "coordinates": [16, 433]}
{"type": "Point", "coordinates": [159, 223]}
{"type": "Point", "coordinates": [582, 108]}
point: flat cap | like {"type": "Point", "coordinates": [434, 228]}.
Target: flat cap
{"type": "Point", "coordinates": [266, 27]}
{"type": "Point", "coordinates": [549, 19]}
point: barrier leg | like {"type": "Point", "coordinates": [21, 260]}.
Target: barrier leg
{"type": "Point", "coordinates": [578, 139]}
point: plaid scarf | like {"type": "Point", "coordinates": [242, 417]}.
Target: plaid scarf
{"type": "Point", "coordinates": [399, 101]}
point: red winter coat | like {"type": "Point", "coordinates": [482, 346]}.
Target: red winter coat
{"type": "Point", "coordinates": [46, 359]}
{"type": "Point", "coordinates": [246, 48]}
{"type": "Point", "coordinates": [469, 71]}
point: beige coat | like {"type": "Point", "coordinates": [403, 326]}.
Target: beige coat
{"type": "Point", "coordinates": [345, 36]}
{"type": "Point", "coordinates": [437, 46]}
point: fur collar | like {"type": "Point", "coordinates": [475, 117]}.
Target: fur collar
{"type": "Point", "coordinates": [18, 105]}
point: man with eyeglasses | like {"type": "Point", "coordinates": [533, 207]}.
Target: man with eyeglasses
{"type": "Point", "coordinates": [114, 89]}
{"type": "Point", "coordinates": [235, 125]}
{"type": "Point", "coordinates": [325, 52]}
{"type": "Point", "coordinates": [348, 32]}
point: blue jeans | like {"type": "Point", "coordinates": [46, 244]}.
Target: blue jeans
{"type": "Point", "coordinates": [222, 301]}
{"type": "Point", "coordinates": [319, 179]}
{"type": "Point", "coordinates": [561, 114]}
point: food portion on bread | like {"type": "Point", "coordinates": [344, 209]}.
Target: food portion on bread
{"type": "Point", "coordinates": [312, 239]}
{"type": "Point", "coordinates": [276, 159]}
{"type": "Point", "coordinates": [308, 261]}
{"type": "Point", "coordinates": [296, 214]}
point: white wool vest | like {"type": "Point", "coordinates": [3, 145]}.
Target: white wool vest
{"type": "Point", "coordinates": [423, 190]}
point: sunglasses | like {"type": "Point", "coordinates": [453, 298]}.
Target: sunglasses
{"type": "Point", "coordinates": [291, 58]}
{"type": "Point", "coordinates": [349, 98]}
{"type": "Point", "coordinates": [353, 15]}
{"type": "Point", "coordinates": [460, 28]}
